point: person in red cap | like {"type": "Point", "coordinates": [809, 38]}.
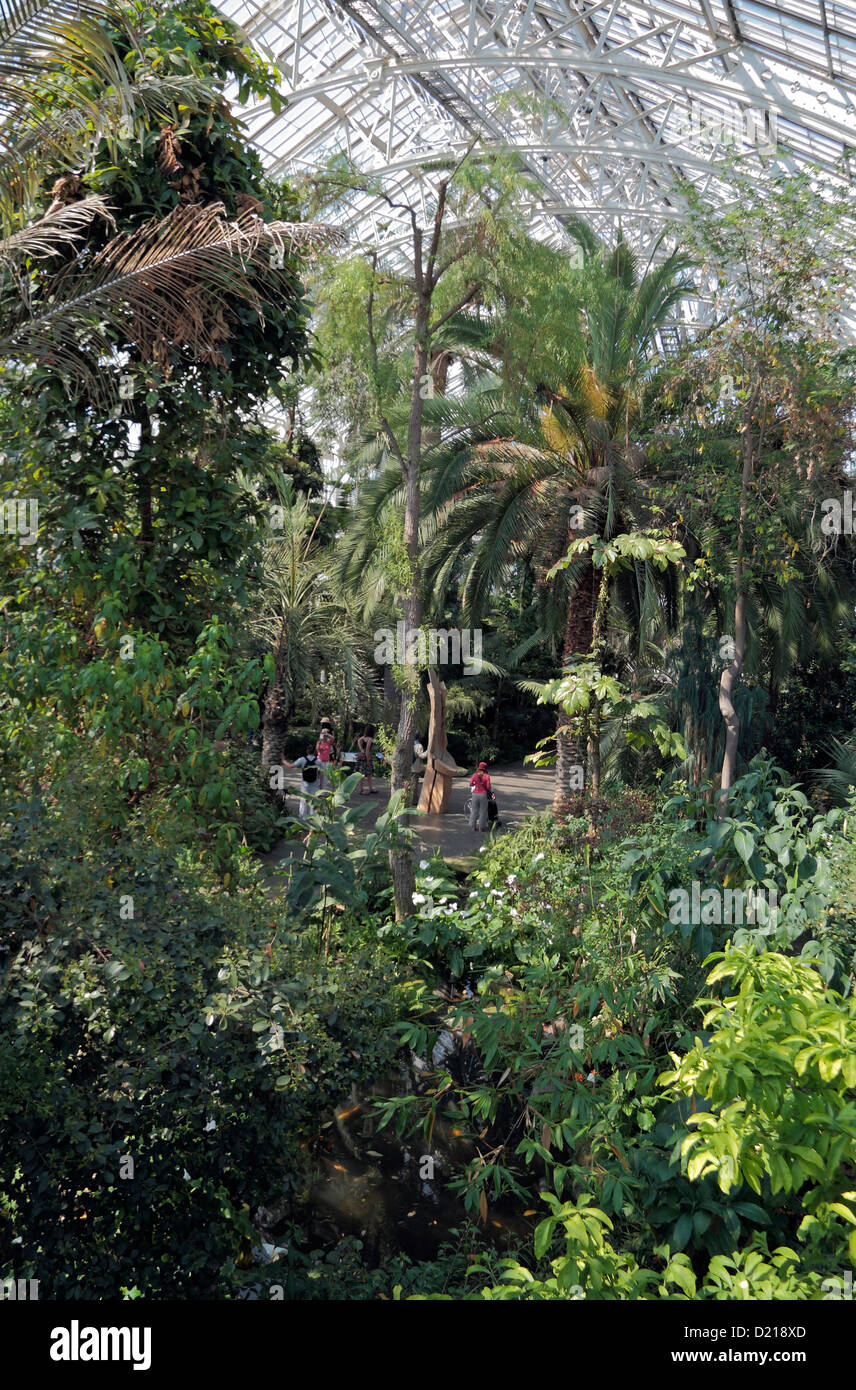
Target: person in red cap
{"type": "Point", "coordinates": [480, 788]}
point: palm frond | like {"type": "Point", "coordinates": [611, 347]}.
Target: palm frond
{"type": "Point", "coordinates": [41, 40]}
{"type": "Point", "coordinates": [63, 135]}
{"type": "Point", "coordinates": [57, 230]}
{"type": "Point", "coordinates": [156, 283]}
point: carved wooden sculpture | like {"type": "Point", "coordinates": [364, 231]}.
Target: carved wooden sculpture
{"type": "Point", "coordinates": [440, 766]}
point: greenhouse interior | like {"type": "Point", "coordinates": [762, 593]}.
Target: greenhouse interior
{"type": "Point", "coordinates": [428, 625]}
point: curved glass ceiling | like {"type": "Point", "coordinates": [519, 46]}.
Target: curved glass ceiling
{"type": "Point", "coordinates": [611, 104]}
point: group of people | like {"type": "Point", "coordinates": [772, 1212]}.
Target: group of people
{"type": "Point", "coordinates": [316, 762]}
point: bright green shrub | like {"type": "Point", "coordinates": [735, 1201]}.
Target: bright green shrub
{"type": "Point", "coordinates": [776, 1085]}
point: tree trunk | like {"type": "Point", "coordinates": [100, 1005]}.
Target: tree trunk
{"type": "Point", "coordinates": [440, 766]}
{"type": "Point", "coordinates": [593, 755]}
{"type": "Point", "coordinates": [275, 721]}
{"type": "Point", "coordinates": [578, 639]}
{"type": "Point", "coordinates": [773, 692]}
{"type": "Point", "coordinates": [731, 673]}
{"type": "Point", "coordinates": [598, 645]}
{"type": "Point", "coordinates": [401, 860]}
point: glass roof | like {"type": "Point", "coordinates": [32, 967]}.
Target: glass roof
{"type": "Point", "coordinates": [610, 103]}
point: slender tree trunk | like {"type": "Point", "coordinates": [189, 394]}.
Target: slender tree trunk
{"type": "Point", "coordinates": [401, 861]}
{"type": "Point", "coordinates": [144, 497]}
{"type": "Point", "coordinates": [578, 639]}
{"type": "Point", "coordinates": [731, 673]}
{"type": "Point", "coordinates": [390, 695]}
{"type": "Point", "coordinates": [773, 692]}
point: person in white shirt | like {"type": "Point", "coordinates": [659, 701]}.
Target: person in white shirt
{"type": "Point", "coordinates": [310, 776]}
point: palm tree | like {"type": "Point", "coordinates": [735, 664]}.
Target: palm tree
{"type": "Point", "coordinates": [315, 643]}
{"type": "Point", "coordinates": [513, 478]}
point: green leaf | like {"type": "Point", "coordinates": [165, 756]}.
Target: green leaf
{"type": "Point", "coordinates": [544, 1236]}
{"type": "Point", "coordinates": [682, 1231]}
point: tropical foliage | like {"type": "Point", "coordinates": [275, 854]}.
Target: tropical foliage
{"type": "Point", "coordinates": [253, 1049]}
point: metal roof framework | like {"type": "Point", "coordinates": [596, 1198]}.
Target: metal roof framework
{"type": "Point", "coordinates": [611, 104]}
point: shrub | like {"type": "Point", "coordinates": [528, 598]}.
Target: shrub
{"type": "Point", "coordinates": [168, 1050]}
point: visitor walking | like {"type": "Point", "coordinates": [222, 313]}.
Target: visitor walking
{"type": "Point", "coordinates": [364, 759]}
{"type": "Point", "coordinates": [480, 788]}
{"type": "Point", "coordinates": [310, 775]}
{"type": "Point", "coordinates": [324, 750]}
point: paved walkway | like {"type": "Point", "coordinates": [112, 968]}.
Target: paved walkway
{"type": "Point", "coordinates": [520, 791]}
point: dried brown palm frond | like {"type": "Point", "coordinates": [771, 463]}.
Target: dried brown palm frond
{"type": "Point", "coordinates": [169, 152]}
{"type": "Point", "coordinates": [63, 225]}
{"type": "Point", "coordinates": [161, 284]}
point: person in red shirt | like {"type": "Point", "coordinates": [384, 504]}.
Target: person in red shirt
{"type": "Point", "coordinates": [480, 788]}
{"type": "Point", "coordinates": [324, 750]}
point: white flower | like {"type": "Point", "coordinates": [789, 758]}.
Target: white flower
{"type": "Point", "coordinates": [419, 898]}
{"type": "Point", "coordinates": [537, 857]}
{"type": "Point", "coordinates": [474, 894]}
{"type": "Point", "coordinates": [744, 1283]}
{"type": "Point", "coordinates": [513, 911]}
{"type": "Point", "coordinates": [423, 863]}
{"type": "Point", "coordinates": [482, 849]}
{"type": "Point", "coordinates": [210, 1125]}
{"type": "Point", "coordinates": [512, 878]}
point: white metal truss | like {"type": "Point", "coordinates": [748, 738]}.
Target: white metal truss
{"type": "Point", "coordinates": [611, 104]}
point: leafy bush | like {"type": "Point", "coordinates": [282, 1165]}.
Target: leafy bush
{"type": "Point", "coordinates": [776, 1086]}
{"type": "Point", "coordinates": [168, 1049]}
{"type": "Point", "coordinates": [591, 1267]}
{"type": "Point", "coordinates": [770, 843]}
{"type": "Point", "coordinates": [258, 809]}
